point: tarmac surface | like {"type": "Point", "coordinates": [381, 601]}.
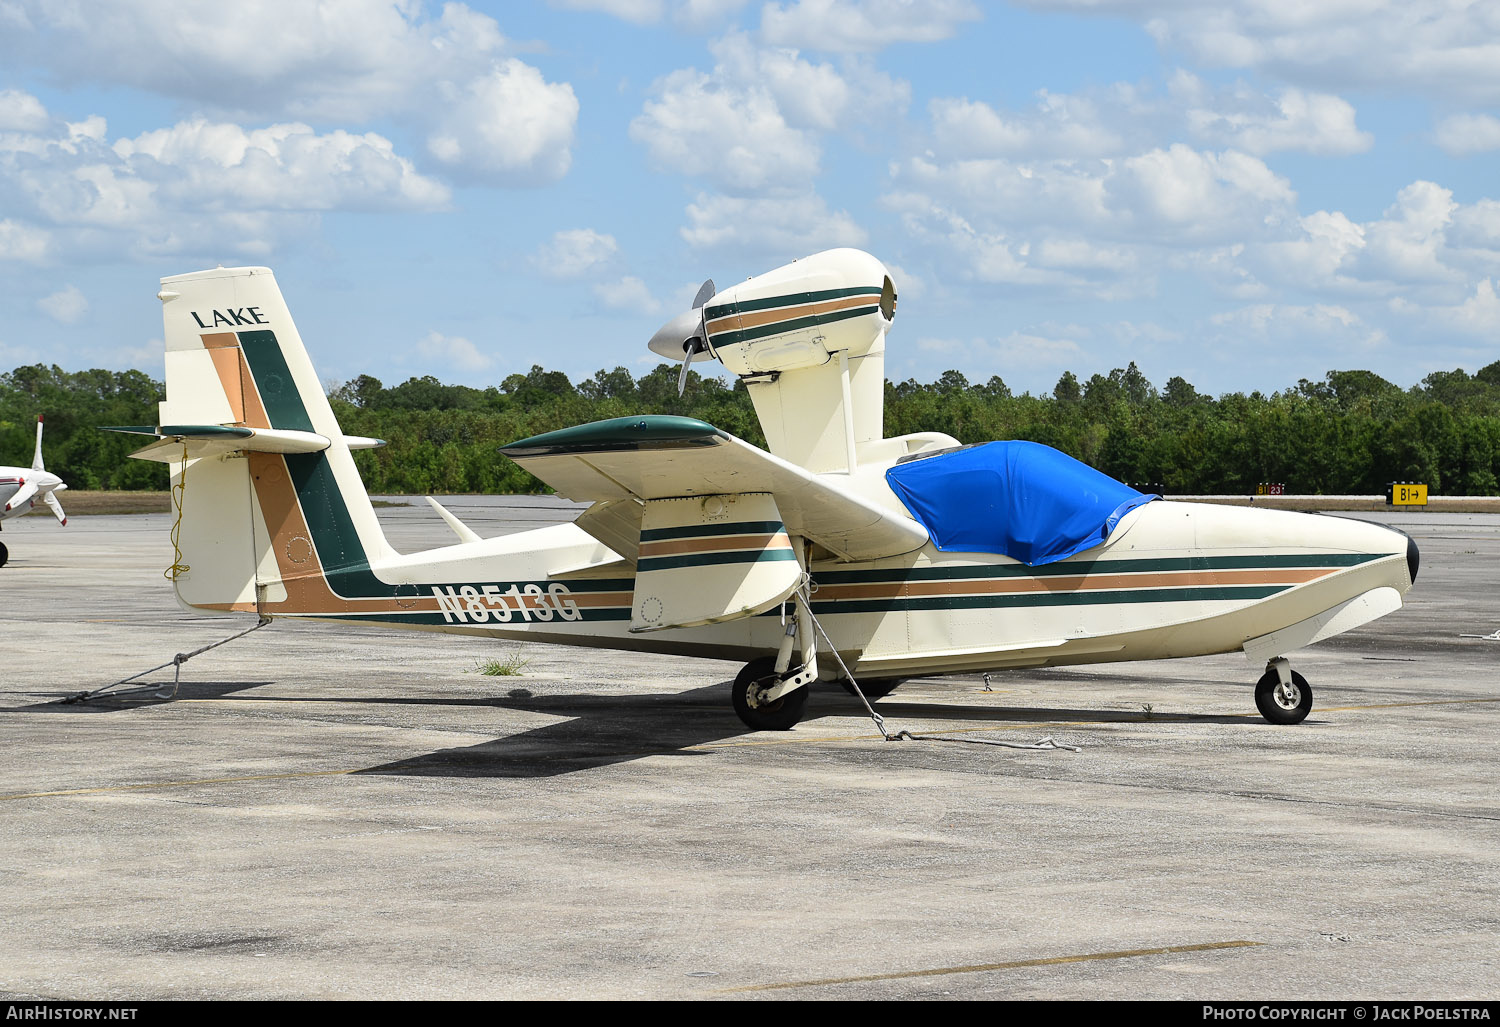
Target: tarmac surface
{"type": "Point", "coordinates": [335, 812]}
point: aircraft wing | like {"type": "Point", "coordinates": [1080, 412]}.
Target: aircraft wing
{"type": "Point", "coordinates": [656, 457]}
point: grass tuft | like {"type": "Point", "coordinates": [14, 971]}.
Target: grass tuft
{"type": "Point", "coordinates": [503, 667]}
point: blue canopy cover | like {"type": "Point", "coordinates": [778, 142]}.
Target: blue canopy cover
{"type": "Point", "coordinates": [1023, 499]}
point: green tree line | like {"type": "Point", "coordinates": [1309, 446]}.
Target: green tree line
{"type": "Point", "coordinates": [1350, 432]}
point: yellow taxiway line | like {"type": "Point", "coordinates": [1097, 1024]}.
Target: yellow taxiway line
{"type": "Point", "coordinates": [1016, 964]}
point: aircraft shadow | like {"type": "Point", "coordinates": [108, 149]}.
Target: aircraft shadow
{"type": "Point", "coordinates": [601, 730]}
{"type": "Point", "coordinates": [114, 703]}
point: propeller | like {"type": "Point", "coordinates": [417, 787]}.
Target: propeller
{"type": "Point", "coordinates": [686, 334]}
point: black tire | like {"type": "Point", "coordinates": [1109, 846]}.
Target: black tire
{"type": "Point", "coordinates": [877, 688]}
{"type": "Point", "coordinates": [781, 715]}
{"type": "Point", "coordinates": [1268, 699]}
{"type": "Point", "coordinates": [4, 554]}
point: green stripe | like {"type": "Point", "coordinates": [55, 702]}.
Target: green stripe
{"type": "Point", "coordinates": [704, 559]}
{"type": "Point", "coordinates": [1054, 570]}
{"type": "Point", "coordinates": [1044, 599]}
{"type": "Point", "coordinates": [789, 300]}
{"type": "Point", "coordinates": [791, 325]}
{"type": "Point", "coordinates": [273, 380]}
{"type": "Point", "coordinates": [711, 530]}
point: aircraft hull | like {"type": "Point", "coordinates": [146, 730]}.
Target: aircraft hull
{"type": "Point", "coordinates": [1145, 595]}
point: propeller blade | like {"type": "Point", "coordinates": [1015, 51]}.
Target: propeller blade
{"type": "Point", "coordinates": [22, 498]}
{"type": "Point", "coordinates": [690, 349]}
{"type": "Point", "coordinates": [57, 510]}
{"type": "Point", "coordinates": [705, 293]}
{"type": "Point", "coordinates": [36, 461]}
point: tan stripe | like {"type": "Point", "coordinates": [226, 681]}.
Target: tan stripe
{"type": "Point", "coordinates": [237, 381]}
{"type": "Point", "coordinates": [1070, 583]}
{"type": "Point", "coordinates": [1015, 964]}
{"type": "Point", "coordinates": [709, 545]}
{"type": "Point", "coordinates": [255, 410]}
{"type": "Point", "coordinates": [735, 322]}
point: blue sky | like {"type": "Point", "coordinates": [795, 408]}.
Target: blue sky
{"type": "Point", "coordinates": [1244, 193]}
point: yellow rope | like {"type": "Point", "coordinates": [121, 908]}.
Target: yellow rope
{"type": "Point", "coordinates": [178, 568]}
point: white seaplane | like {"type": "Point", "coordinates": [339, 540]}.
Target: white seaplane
{"type": "Point", "coordinates": [838, 554]}
{"type": "Point", "coordinates": [21, 487]}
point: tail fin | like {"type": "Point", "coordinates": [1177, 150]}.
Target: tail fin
{"type": "Point", "coordinates": [274, 516]}
{"type": "Point", "coordinates": [36, 461]}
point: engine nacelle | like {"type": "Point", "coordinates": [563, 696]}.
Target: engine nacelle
{"type": "Point", "coordinates": [800, 315]}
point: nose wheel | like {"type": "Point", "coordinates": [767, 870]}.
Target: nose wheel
{"type": "Point", "coordinates": [760, 714]}
{"type": "Point", "coordinates": [1283, 701]}
{"type": "Point", "coordinates": [4, 554]}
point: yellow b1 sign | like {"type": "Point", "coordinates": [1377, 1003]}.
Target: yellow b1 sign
{"type": "Point", "coordinates": [1405, 493]}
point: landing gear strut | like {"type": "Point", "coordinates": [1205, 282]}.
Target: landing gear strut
{"type": "Point", "coordinates": [1282, 695]}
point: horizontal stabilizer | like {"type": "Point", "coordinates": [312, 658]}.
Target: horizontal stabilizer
{"type": "Point", "coordinates": [237, 437]}
{"type": "Point", "coordinates": [664, 457]}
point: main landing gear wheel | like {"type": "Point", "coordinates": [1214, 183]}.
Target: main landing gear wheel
{"type": "Point", "coordinates": [778, 715]}
{"type": "Point", "coordinates": [1283, 705]}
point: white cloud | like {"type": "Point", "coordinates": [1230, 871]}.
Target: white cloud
{"type": "Point", "coordinates": [811, 95]}
{"type": "Point", "coordinates": [66, 306]}
{"type": "Point", "coordinates": [755, 124]}
{"type": "Point", "coordinates": [692, 14]}
{"type": "Point", "coordinates": [281, 167]}
{"type": "Point", "coordinates": [734, 136]}
{"type": "Point", "coordinates": [1060, 126]}
{"type": "Point", "coordinates": [453, 351]}
{"type": "Point", "coordinates": [1463, 134]}
{"type": "Point", "coordinates": [1019, 349]}
{"type": "Point", "coordinates": [575, 252]}
{"type": "Point", "coordinates": [508, 127]}
{"type": "Point", "coordinates": [1182, 193]}
{"type": "Point", "coordinates": [1446, 48]}
{"type": "Point", "coordinates": [629, 294]}
{"type": "Point", "coordinates": [1478, 315]}
{"type": "Point", "coordinates": [785, 225]}
{"type": "Point", "coordinates": [347, 60]}
{"type": "Point", "coordinates": [1124, 119]}
{"type": "Point", "coordinates": [197, 187]}
{"type": "Point", "coordinates": [1290, 326]}
{"type": "Point", "coordinates": [1407, 244]}
{"type": "Point", "coordinates": [863, 25]}
{"type": "Point", "coordinates": [22, 242]}
{"type": "Point", "coordinates": [487, 116]}
{"type": "Point", "coordinates": [1177, 195]}
{"type": "Point", "coordinates": [21, 112]}
{"type": "Point", "coordinates": [1247, 120]}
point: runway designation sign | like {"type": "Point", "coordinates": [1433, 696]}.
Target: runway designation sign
{"type": "Point", "coordinates": [1405, 493]}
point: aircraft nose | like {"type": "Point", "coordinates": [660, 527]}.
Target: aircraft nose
{"type": "Point", "coordinates": [1413, 557]}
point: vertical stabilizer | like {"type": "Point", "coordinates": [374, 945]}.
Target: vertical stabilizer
{"type": "Point", "coordinates": [260, 530]}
